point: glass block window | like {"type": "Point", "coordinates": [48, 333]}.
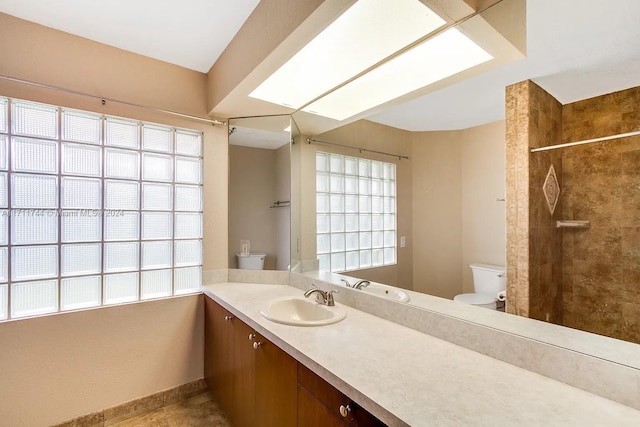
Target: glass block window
{"type": "Point", "coordinates": [95, 210]}
{"type": "Point", "coordinates": [355, 212]}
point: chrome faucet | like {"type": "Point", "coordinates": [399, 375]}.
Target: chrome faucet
{"type": "Point", "coordinates": [361, 284]}
{"type": "Point", "coordinates": [358, 285]}
{"type": "Point", "coordinates": [322, 297]}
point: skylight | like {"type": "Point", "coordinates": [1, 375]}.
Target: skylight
{"type": "Point", "coordinates": [438, 58]}
{"type": "Point", "coordinates": [365, 34]}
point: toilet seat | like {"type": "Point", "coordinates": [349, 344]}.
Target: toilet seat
{"type": "Point", "coordinates": [475, 299]}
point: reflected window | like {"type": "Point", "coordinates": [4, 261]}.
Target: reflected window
{"type": "Point", "coordinates": [355, 212]}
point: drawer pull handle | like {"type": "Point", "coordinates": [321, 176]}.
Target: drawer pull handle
{"type": "Point", "coordinates": [345, 410]}
{"type": "Point", "coordinates": [227, 318]}
{"type": "Point", "coordinates": [256, 345]}
{"type": "Point", "coordinates": [252, 337]}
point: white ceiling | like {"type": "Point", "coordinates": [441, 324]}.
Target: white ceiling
{"type": "Point", "coordinates": [189, 33]}
{"type": "Point", "coordinates": [576, 49]}
{"type": "Point", "coordinates": [258, 138]}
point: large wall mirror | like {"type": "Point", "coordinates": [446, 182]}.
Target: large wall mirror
{"type": "Point", "coordinates": [438, 197]}
{"type": "Point", "coordinates": [439, 205]}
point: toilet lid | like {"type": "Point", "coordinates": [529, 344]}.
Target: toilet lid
{"type": "Point", "coordinates": [475, 299]}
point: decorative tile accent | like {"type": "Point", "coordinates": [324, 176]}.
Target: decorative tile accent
{"type": "Point", "coordinates": [551, 189]}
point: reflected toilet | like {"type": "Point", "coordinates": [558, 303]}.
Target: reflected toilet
{"type": "Point", "coordinates": [253, 261]}
{"type": "Point", "coordinates": [488, 281]}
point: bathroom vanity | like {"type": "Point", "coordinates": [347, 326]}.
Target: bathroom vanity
{"type": "Point", "coordinates": [258, 384]}
{"type": "Point", "coordinates": [397, 374]}
{"type": "Point", "coordinates": [254, 386]}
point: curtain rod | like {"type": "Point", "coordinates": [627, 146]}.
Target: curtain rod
{"type": "Point", "coordinates": [400, 157]}
{"type": "Point", "coordinates": [104, 100]}
{"type": "Point", "coordinates": [586, 141]}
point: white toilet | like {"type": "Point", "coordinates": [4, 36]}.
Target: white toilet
{"type": "Point", "coordinates": [251, 261]}
{"type": "Point", "coordinates": [488, 280]}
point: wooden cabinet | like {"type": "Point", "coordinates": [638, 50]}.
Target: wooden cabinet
{"type": "Point", "coordinates": [244, 371]}
{"type": "Point", "coordinates": [322, 405]}
{"type": "Point", "coordinates": [253, 380]}
{"type": "Point", "coordinates": [275, 386]}
{"type": "Point", "coordinates": [218, 355]}
{"type": "Point", "coordinates": [259, 385]}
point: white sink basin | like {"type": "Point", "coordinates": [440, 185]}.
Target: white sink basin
{"type": "Point", "coordinates": [301, 312]}
{"type": "Point", "coordinates": [387, 292]}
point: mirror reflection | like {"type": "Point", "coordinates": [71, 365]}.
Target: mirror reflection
{"type": "Point", "coordinates": [416, 197]}
{"type": "Point", "coordinates": [435, 223]}
{"type": "Point", "coordinates": [449, 222]}
{"type": "Point", "coordinates": [415, 217]}
{"type": "Point", "coordinates": [259, 193]}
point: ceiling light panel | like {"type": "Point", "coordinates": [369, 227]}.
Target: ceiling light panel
{"type": "Point", "coordinates": [436, 59]}
{"type": "Point", "coordinates": [365, 34]}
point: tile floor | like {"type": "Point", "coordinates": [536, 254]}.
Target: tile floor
{"type": "Point", "coordinates": [196, 411]}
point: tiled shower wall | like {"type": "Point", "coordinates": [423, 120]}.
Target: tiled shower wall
{"type": "Point", "coordinates": [534, 247]}
{"type": "Point", "coordinates": [601, 184]}
{"type": "Point", "coordinates": [586, 279]}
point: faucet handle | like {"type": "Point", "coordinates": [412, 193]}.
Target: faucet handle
{"type": "Point", "coordinates": [362, 284]}
{"type": "Point", "coordinates": [346, 282]}
{"type": "Point", "coordinates": [330, 301]}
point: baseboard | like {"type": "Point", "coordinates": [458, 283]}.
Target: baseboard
{"type": "Point", "coordinates": [154, 401]}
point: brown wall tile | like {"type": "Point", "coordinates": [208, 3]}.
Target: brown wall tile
{"type": "Point", "coordinates": [601, 183]}
{"type": "Point", "coordinates": [534, 255]}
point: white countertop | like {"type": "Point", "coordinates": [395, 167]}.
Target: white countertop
{"type": "Point", "coordinates": [409, 378]}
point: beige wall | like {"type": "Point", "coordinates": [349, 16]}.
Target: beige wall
{"type": "Point", "coordinates": [255, 183]}
{"type": "Point", "coordinates": [283, 215]}
{"type": "Point", "coordinates": [457, 177]}
{"type": "Point", "coordinates": [40, 54]}
{"type": "Point", "coordinates": [437, 213]}
{"type": "Point", "coordinates": [483, 181]}
{"type": "Point", "coordinates": [57, 367]}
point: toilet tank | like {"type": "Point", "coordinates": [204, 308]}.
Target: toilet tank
{"type": "Point", "coordinates": [251, 262]}
{"type": "Point", "coordinates": [488, 279]}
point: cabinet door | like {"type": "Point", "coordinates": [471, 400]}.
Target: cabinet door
{"type": "Point", "coordinates": [244, 376]}
{"type": "Point", "coordinates": [218, 355]}
{"type": "Point", "coordinates": [275, 386]}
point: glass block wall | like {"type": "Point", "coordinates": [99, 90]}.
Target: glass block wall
{"type": "Point", "coordinates": [95, 210]}
{"type": "Point", "coordinates": [355, 212]}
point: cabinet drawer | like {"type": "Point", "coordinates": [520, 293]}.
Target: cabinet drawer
{"type": "Point", "coordinates": [312, 413]}
{"type": "Point", "coordinates": [332, 399]}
